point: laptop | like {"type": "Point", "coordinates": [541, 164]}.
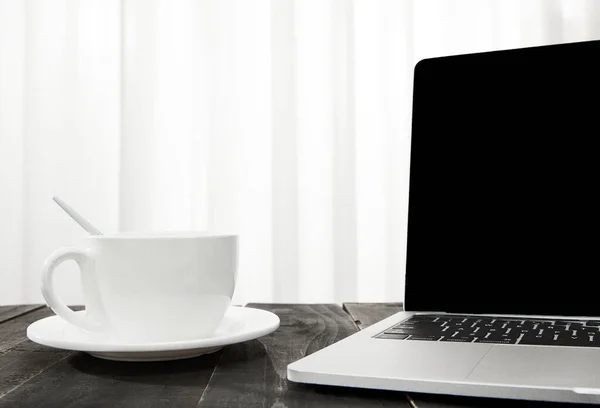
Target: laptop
{"type": "Point", "coordinates": [501, 297]}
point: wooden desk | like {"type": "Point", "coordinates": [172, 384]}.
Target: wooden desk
{"type": "Point", "coordinates": [250, 374]}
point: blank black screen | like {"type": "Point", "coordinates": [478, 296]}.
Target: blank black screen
{"type": "Point", "coordinates": [503, 198]}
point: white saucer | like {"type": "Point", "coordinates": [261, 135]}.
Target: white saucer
{"type": "Point", "coordinates": [239, 324]}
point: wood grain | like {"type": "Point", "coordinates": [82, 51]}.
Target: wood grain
{"type": "Point", "coordinates": [366, 314]}
{"type": "Point", "coordinates": [32, 375]}
{"type": "Point", "coordinates": [10, 312]}
{"type": "Point", "coordinates": [253, 374]}
{"type": "Point", "coordinates": [20, 359]}
{"type": "Point", "coordinates": [14, 331]}
{"type": "Point", "coordinates": [80, 380]}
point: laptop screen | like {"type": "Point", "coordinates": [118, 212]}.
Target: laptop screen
{"type": "Point", "coordinates": [503, 200]}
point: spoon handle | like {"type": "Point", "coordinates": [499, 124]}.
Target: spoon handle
{"type": "Point", "coordinates": [85, 224]}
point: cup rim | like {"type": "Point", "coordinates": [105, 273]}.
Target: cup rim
{"type": "Point", "coordinates": [163, 235]}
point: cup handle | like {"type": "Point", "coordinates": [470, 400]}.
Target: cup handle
{"type": "Point", "coordinates": [56, 304]}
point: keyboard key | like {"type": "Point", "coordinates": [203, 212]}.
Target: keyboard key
{"type": "Point", "coordinates": [421, 330]}
{"type": "Point", "coordinates": [514, 336]}
{"type": "Point", "coordinates": [458, 339]}
{"type": "Point", "coordinates": [392, 336]}
{"type": "Point", "coordinates": [496, 341]}
{"type": "Point", "coordinates": [406, 332]}
{"type": "Point", "coordinates": [515, 324]}
{"type": "Point", "coordinates": [462, 329]}
{"type": "Point", "coordinates": [534, 340]}
{"type": "Point", "coordinates": [459, 325]}
{"type": "Point", "coordinates": [421, 323]}
{"type": "Point", "coordinates": [592, 323]}
{"type": "Point", "coordinates": [425, 338]}
{"type": "Point", "coordinates": [424, 318]}
{"type": "Point", "coordinates": [500, 338]}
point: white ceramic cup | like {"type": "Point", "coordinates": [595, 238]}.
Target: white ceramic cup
{"type": "Point", "coordinates": [157, 287]}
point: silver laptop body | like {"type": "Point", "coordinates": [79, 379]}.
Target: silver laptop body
{"type": "Point", "coordinates": [502, 234]}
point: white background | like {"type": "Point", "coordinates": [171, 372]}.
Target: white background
{"type": "Point", "coordinates": [286, 121]}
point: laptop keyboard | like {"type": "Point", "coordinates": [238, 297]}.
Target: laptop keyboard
{"type": "Point", "coordinates": [496, 330]}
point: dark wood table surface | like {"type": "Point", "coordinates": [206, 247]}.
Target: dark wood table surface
{"type": "Point", "coordinates": [249, 374]}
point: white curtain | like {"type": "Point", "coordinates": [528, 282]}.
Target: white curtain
{"type": "Point", "coordinates": [286, 121]}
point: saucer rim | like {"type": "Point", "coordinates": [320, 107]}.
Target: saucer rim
{"type": "Point", "coordinates": [258, 323]}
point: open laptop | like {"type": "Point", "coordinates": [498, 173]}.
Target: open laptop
{"type": "Point", "coordinates": [501, 297]}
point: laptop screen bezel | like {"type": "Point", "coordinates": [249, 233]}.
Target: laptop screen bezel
{"type": "Point", "coordinates": [417, 77]}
